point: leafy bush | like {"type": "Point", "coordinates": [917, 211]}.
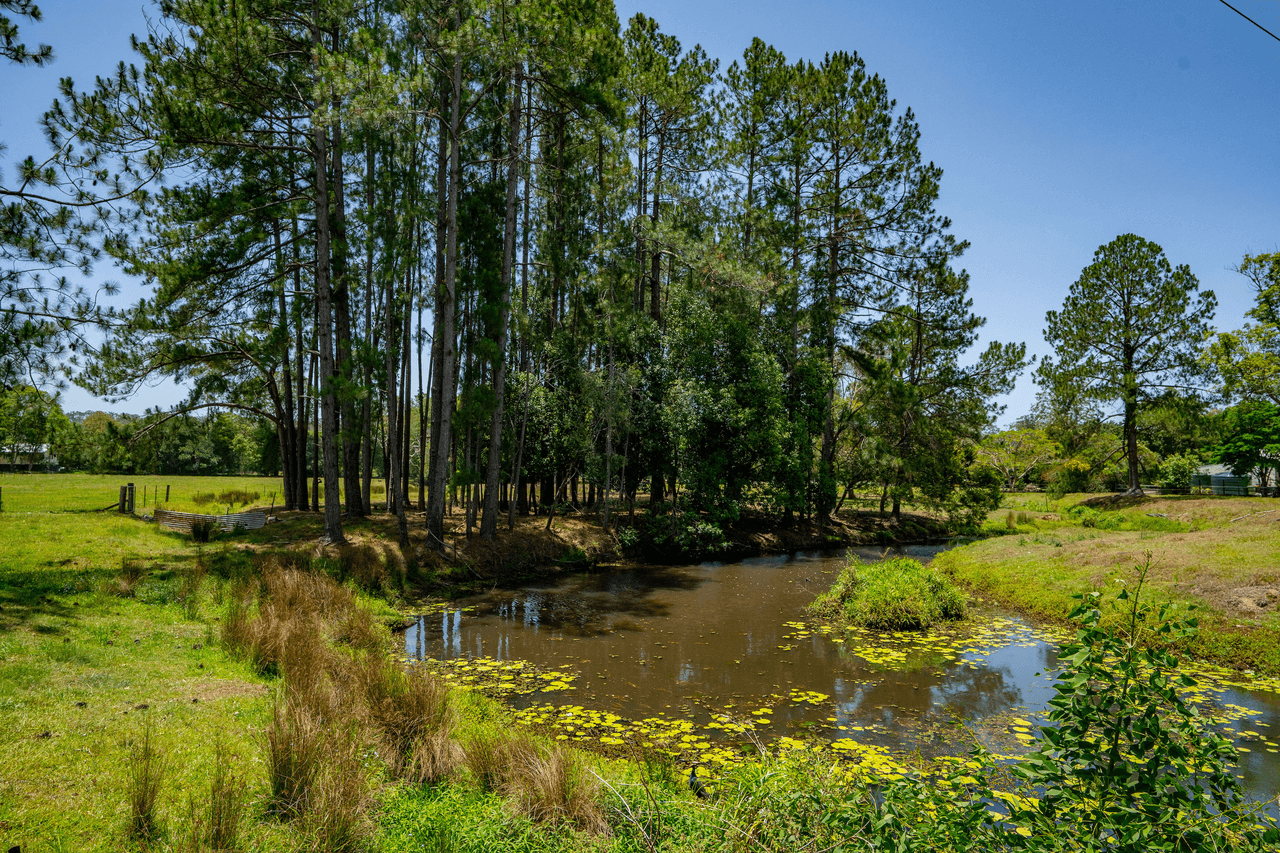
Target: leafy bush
{"type": "Point", "coordinates": [892, 595]}
{"type": "Point", "coordinates": [1176, 473]}
{"type": "Point", "coordinates": [687, 532]}
{"type": "Point", "coordinates": [628, 537]}
{"type": "Point", "coordinates": [1090, 517]}
{"type": "Point", "coordinates": [1126, 761]}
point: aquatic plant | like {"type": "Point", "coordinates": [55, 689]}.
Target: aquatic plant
{"type": "Point", "coordinates": [1126, 759]}
{"type": "Point", "coordinates": [892, 595]}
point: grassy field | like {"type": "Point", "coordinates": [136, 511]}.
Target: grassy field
{"type": "Point", "coordinates": [1221, 554]}
{"type": "Point", "coordinates": [89, 492]}
{"type": "Point", "coordinates": [92, 492]}
{"type": "Point", "coordinates": [114, 634]}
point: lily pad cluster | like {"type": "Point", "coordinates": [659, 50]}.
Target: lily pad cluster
{"type": "Point", "coordinates": [502, 678]}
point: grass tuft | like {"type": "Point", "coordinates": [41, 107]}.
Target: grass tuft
{"type": "Point", "coordinates": [414, 717]}
{"type": "Point", "coordinates": [551, 785]}
{"type": "Point", "coordinates": [202, 531]}
{"type": "Point", "coordinates": [336, 818]}
{"type": "Point", "coordinates": [146, 774]}
{"type": "Point", "coordinates": [892, 595]}
{"type": "Point", "coordinates": [296, 748]}
{"type": "Point", "coordinates": [217, 828]}
{"type": "Point", "coordinates": [125, 583]}
{"type": "Point", "coordinates": [363, 564]}
{"type": "Point", "coordinates": [492, 757]}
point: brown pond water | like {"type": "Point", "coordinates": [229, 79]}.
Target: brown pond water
{"type": "Point", "coordinates": [716, 642]}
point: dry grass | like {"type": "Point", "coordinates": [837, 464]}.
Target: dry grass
{"type": "Point", "coordinates": [359, 630]}
{"type": "Point", "coordinates": [363, 564]}
{"type": "Point", "coordinates": [294, 611]}
{"type": "Point", "coordinates": [146, 774]}
{"type": "Point", "coordinates": [337, 816]}
{"type": "Point", "coordinates": [296, 751]}
{"type": "Point", "coordinates": [491, 757]}
{"type": "Point", "coordinates": [125, 583]}
{"type": "Point", "coordinates": [551, 785]}
{"type": "Point", "coordinates": [414, 718]}
{"type": "Point", "coordinates": [548, 784]}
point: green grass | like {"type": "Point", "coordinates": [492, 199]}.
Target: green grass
{"type": "Point", "coordinates": [78, 664]}
{"type": "Point", "coordinates": [89, 492]}
{"type": "Point", "coordinates": [25, 493]}
{"type": "Point", "coordinates": [1205, 549]}
{"type": "Point", "coordinates": [892, 595]}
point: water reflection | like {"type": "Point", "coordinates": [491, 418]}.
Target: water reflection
{"type": "Point", "coordinates": [689, 640]}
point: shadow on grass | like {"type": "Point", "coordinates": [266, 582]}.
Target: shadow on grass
{"type": "Point", "coordinates": [56, 591]}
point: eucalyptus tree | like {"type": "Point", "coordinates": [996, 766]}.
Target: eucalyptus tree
{"type": "Point", "coordinates": [1132, 326]}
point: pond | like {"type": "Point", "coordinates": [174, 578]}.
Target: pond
{"type": "Point", "coordinates": [719, 654]}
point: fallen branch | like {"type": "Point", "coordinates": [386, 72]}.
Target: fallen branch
{"type": "Point", "coordinates": [1248, 514]}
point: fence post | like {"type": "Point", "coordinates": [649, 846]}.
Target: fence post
{"type": "Point", "coordinates": [1, 498]}
{"type": "Point", "coordinates": [132, 497]}
{"type": "Point", "coordinates": [124, 500]}
{"type": "Point", "coordinates": [166, 494]}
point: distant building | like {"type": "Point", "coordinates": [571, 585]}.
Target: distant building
{"type": "Point", "coordinates": [27, 457]}
{"type": "Point", "coordinates": [1218, 480]}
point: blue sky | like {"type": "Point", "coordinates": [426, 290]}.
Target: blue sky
{"type": "Point", "coordinates": [1059, 125]}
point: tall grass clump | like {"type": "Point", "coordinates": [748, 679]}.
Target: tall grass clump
{"type": "Point", "coordinates": [217, 827]}
{"type": "Point", "coordinates": [892, 595]}
{"type": "Point", "coordinates": [551, 785]}
{"type": "Point", "coordinates": [237, 496]}
{"type": "Point", "coordinates": [414, 717]}
{"type": "Point", "coordinates": [125, 583]}
{"type": "Point", "coordinates": [491, 758]}
{"type": "Point", "coordinates": [295, 756]}
{"type": "Point", "coordinates": [363, 564]}
{"type": "Point", "coordinates": [189, 588]}
{"type": "Point", "coordinates": [547, 784]}
{"type": "Point", "coordinates": [202, 531]}
{"type": "Point", "coordinates": [146, 773]}
{"type": "Point", "coordinates": [335, 818]}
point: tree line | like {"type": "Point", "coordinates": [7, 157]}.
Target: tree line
{"type": "Point", "coordinates": [637, 273]}
{"type": "Point", "coordinates": [510, 251]}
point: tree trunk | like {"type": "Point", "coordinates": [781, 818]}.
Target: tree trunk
{"type": "Point", "coordinates": [440, 455]}
{"type": "Point", "coordinates": [1131, 433]}
{"type": "Point", "coordinates": [489, 524]}
{"type": "Point", "coordinates": [366, 408]}
{"type": "Point", "coordinates": [349, 433]}
{"type": "Point", "coordinates": [391, 361]}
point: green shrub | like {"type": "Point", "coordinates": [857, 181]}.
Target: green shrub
{"type": "Point", "coordinates": [1090, 517]}
{"type": "Point", "coordinates": [893, 595]}
{"type": "Point", "coordinates": [1125, 760]}
{"type": "Point", "coordinates": [238, 496]}
{"type": "Point", "coordinates": [1176, 473]}
{"type": "Point", "coordinates": [627, 537]}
